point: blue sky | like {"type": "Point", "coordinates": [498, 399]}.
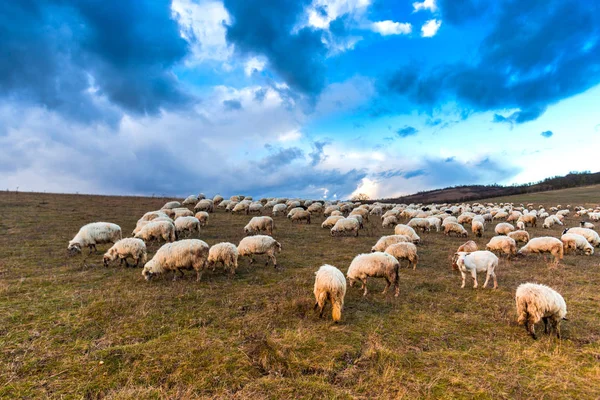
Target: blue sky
{"type": "Point", "coordinates": [297, 98]}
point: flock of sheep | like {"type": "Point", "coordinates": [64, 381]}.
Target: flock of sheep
{"type": "Point", "coordinates": [175, 220]}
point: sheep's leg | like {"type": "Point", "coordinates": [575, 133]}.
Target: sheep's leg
{"type": "Point", "coordinates": [487, 279]}
{"type": "Point", "coordinates": [546, 330]}
{"type": "Point", "coordinates": [531, 328]}
{"type": "Point", "coordinates": [463, 279]}
{"type": "Point", "coordinates": [474, 276]}
{"type": "Point", "coordinates": [364, 282]}
{"type": "Point", "coordinates": [388, 284]}
{"type": "Point", "coordinates": [495, 280]}
{"type": "Point", "coordinates": [397, 285]}
{"type": "Point", "coordinates": [414, 263]}
{"type": "Point", "coordinates": [198, 274]}
{"type": "Point", "coordinates": [272, 257]}
{"type": "Point", "coordinates": [556, 323]}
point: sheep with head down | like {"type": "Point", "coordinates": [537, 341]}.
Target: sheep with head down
{"type": "Point", "coordinates": [456, 228]}
{"type": "Point", "coordinates": [404, 251]}
{"type": "Point", "coordinates": [402, 229]}
{"type": "Point", "coordinates": [258, 225]}
{"type": "Point", "coordinates": [178, 256]}
{"type": "Point", "coordinates": [478, 261]}
{"type": "Point", "coordinates": [537, 302]}
{"type": "Point", "coordinates": [202, 217]}
{"type": "Point", "coordinates": [186, 225]}
{"type": "Point", "coordinates": [389, 222]}
{"type": "Point", "coordinates": [591, 236]}
{"type": "Point", "coordinates": [503, 245]}
{"type": "Point", "coordinates": [542, 245]}
{"type": "Point", "coordinates": [574, 242]}
{"type": "Point", "coordinates": [330, 221]}
{"type": "Point", "coordinates": [385, 241]}
{"type": "Point", "coordinates": [519, 236]}
{"type": "Point", "coordinates": [92, 234]}
{"type": "Point", "coordinates": [330, 284]}
{"type": "Point", "coordinates": [259, 244]}
{"type": "Point", "coordinates": [503, 228]}
{"type": "Point", "coordinates": [224, 253]}
{"type": "Point", "coordinates": [127, 248]}
{"type": "Point", "coordinates": [345, 226]}
{"type": "Point", "coordinates": [381, 265]}
{"type": "Point", "coordinates": [156, 230]}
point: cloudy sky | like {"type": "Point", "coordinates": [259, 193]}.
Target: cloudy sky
{"type": "Point", "coordinates": [311, 98]}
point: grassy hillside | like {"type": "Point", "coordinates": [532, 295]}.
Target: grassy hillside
{"type": "Point", "coordinates": [71, 328]}
{"type": "Point", "coordinates": [586, 195]}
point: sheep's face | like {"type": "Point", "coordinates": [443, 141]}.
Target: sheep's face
{"type": "Point", "coordinates": [148, 275]}
{"type": "Point", "coordinates": [351, 281]}
{"type": "Point", "coordinates": [74, 249]}
{"type": "Point", "coordinates": [589, 251]}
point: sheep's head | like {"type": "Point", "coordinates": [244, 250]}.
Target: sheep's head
{"type": "Point", "coordinates": [589, 251]}
{"type": "Point", "coordinates": [109, 256]}
{"type": "Point", "coordinates": [351, 281]}
{"type": "Point", "coordinates": [73, 249]}
{"type": "Point", "coordinates": [278, 247]}
{"type": "Point", "coordinates": [147, 272]}
{"type": "Point", "coordinates": [455, 261]}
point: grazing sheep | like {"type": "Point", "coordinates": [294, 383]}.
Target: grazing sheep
{"type": "Point", "coordinates": [259, 244]}
{"type": "Point", "coordinates": [217, 199]}
{"type": "Point", "coordinates": [502, 244]}
{"type": "Point", "coordinates": [364, 213]}
{"type": "Point", "coordinates": [155, 230]}
{"type": "Point", "coordinates": [224, 253]}
{"type": "Point", "coordinates": [503, 228]}
{"type": "Point", "coordinates": [544, 244]}
{"type": "Point", "coordinates": [330, 284]}
{"type": "Point", "coordinates": [330, 221]}
{"type": "Point", "coordinates": [330, 209]}
{"type": "Point", "coordinates": [170, 205]}
{"type": "Point", "coordinates": [124, 248]}
{"type": "Point", "coordinates": [385, 241]}
{"type": "Point", "coordinates": [182, 212]}
{"type": "Point", "coordinates": [206, 205]}
{"type": "Point", "coordinates": [359, 218]}
{"type": "Point", "coordinates": [140, 224]}
{"type": "Point", "coordinates": [468, 247]}
{"type": "Point", "coordinates": [478, 261]}
{"type": "Point", "coordinates": [389, 221]}
{"type": "Point", "coordinates": [150, 215]}
{"type": "Point", "coordinates": [404, 251]}
{"type": "Point", "coordinates": [465, 218]}
{"type": "Point", "coordinates": [345, 226]}
{"type": "Point", "coordinates": [420, 223]}
{"type": "Point", "coordinates": [477, 228]}
{"type": "Point", "coordinates": [528, 219]}
{"type": "Point", "coordinates": [255, 208]}
{"type": "Point", "coordinates": [402, 229]}
{"type": "Point", "coordinates": [92, 234]}
{"type": "Point", "coordinates": [191, 199]}
{"type": "Point", "coordinates": [587, 225]}
{"type": "Point", "coordinates": [336, 213]}
{"type": "Point", "coordinates": [551, 220]}
{"type": "Point", "coordinates": [178, 256]}
{"type": "Point", "coordinates": [315, 208]}
{"type": "Point", "coordinates": [376, 264]}
{"type": "Point", "coordinates": [202, 217]}
{"type": "Point", "coordinates": [258, 225]}
{"type": "Point", "coordinates": [500, 215]}
{"type": "Point", "coordinates": [537, 302]}
{"type": "Point", "coordinates": [435, 222]}
{"type": "Point", "coordinates": [279, 209]}
{"type": "Point", "coordinates": [519, 236]}
{"type": "Point", "coordinates": [573, 241]}
{"type": "Point", "coordinates": [241, 208]}
{"type": "Point", "coordinates": [186, 225]}
{"type": "Point", "coordinates": [521, 225]}
{"type": "Point", "coordinates": [301, 215]}
{"type": "Point", "coordinates": [591, 236]}
{"type": "Point", "coordinates": [454, 227]}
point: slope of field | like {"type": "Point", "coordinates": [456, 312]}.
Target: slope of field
{"type": "Point", "coordinates": [71, 328]}
{"type": "Point", "coordinates": [588, 196]}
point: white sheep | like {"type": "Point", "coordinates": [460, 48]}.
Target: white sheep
{"type": "Point", "coordinates": [477, 228]}
{"type": "Point", "coordinates": [206, 205]}
{"type": "Point", "coordinates": [503, 244]}
{"type": "Point", "coordinates": [140, 224]}
{"type": "Point", "coordinates": [404, 251]}
{"type": "Point", "coordinates": [279, 209]}
{"type": "Point", "coordinates": [178, 256]}
{"type": "Point", "coordinates": [255, 208]}
{"type": "Point", "coordinates": [478, 261]}
{"type": "Point", "coordinates": [155, 230]}
{"type": "Point", "coordinates": [92, 234]}
{"type": "Point", "coordinates": [435, 222]}
{"type": "Point", "coordinates": [127, 248]}
{"type": "Point", "coordinates": [587, 225]}
{"type": "Point", "coordinates": [402, 229]}
{"type": "Point", "coordinates": [385, 241]}
{"type": "Point", "coordinates": [182, 212]}
{"type": "Point", "coordinates": [551, 220]}
{"type": "Point", "coordinates": [150, 215]}
{"type": "Point", "coordinates": [259, 244]}
{"type": "Point", "coordinates": [330, 221]}
{"type": "Point", "coordinates": [528, 219]}
{"type": "Point", "coordinates": [420, 223]}
{"type": "Point", "coordinates": [202, 217]}
{"type": "Point", "coordinates": [330, 284]}
{"type": "Point", "coordinates": [376, 264]}
{"type": "Point", "coordinates": [389, 221]}
{"type": "Point", "coordinates": [186, 225]}
{"type": "Point", "coordinates": [573, 241]}
{"type": "Point", "coordinates": [503, 228]}
{"type": "Point", "coordinates": [258, 225]}
{"type": "Point", "coordinates": [467, 247]}
{"type": "Point", "coordinates": [591, 236]}
{"type": "Point", "coordinates": [519, 236]}
{"type": "Point", "coordinates": [345, 226]}
{"type": "Point", "coordinates": [359, 218]}
{"type": "Point", "coordinates": [537, 302]}
{"type": "Point", "coordinates": [224, 253]}
{"type": "Point", "coordinates": [454, 227]}
{"type": "Point", "coordinates": [191, 199]}
{"type": "Point", "coordinates": [521, 225]}
{"type": "Point", "coordinates": [301, 215]}
{"type": "Point", "coordinates": [170, 205]}
{"type": "Point", "coordinates": [544, 244]}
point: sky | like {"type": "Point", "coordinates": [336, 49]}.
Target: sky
{"type": "Point", "coordinates": [295, 98]}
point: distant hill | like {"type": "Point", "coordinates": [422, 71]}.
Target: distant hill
{"type": "Point", "coordinates": [478, 192]}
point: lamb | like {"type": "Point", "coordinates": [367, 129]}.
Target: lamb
{"type": "Point", "coordinates": [170, 205]}
{"type": "Point", "coordinates": [551, 220]}
{"type": "Point", "coordinates": [454, 227]}
{"type": "Point", "coordinates": [202, 217]}
{"type": "Point", "coordinates": [477, 228]}
{"type": "Point", "coordinates": [259, 244]}
{"type": "Point", "coordinates": [92, 234]}
{"type": "Point", "coordinates": [544, 244]}
{"type": "Point", "coordinates": [376, 264]}
{"type": "Point", "coordinates": [330, 284]}
{"type": "Point", "coordinates": [537, 302]}
{"type": "Point", "coordinates": [591, 236]}
{"type": "Point", "coordinates": [176, 257]}
{"type": "Point", "coordinates": [503, 228]}
{"type": "Point", "coordinates": [385, 241]}
{"type": "Point", "coordinates": [389, 221]}
{"type": "Point", "coordinates": [404, 251]}
{"type": "Point", "coordinates": [478, 261]}
{"type": "Point", "coordinates": [420, 223]}
{"type": "Point", "coordinates": [330, 221]}
{"type": "Point", "coordinates": [502, 244]}
{"type": "Point", "coordinates": [401, 229]}
{"type": "Point", "coordinates": [301, 215]}
{"type": "Point", "coordinates": [258, 225]}
{"type": "Point", "coordinates": [519, 236]}
{"type": "Point", "coordinates": [225, 253]}
{"type": "Point", "coordinates": [573, 241]}
{"type": "Point", "coordinates": [154, 230]}
{"type": "Point", "coordinates": [500, 215]}
{"type": "Point", "coordinates": [344, 226]}
{"type": "Point", "coordinates": [186, 225]}
{"type": "Point", "coordinates": [587, 225]}
{"type": "Point", "coordinates": [127, 248]}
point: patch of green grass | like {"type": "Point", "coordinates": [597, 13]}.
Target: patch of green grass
{"type": "Point", "coordinates": [69, 327]}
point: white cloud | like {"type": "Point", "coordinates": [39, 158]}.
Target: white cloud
{"type": "Point", "coordinates": [425, 5]}
{"type": "Point", "coordinates": [430, 28]}
{"type": "Point", "coordinates": [388, 27]}
{"type": "Point", "coordinates": [290, 136]}
{"type": "Point", "coordinates": [201, 24]}
{"type": "Point", "coordinates": [333, 9]}
{"type": "Point", "coordinates": [254, 64]}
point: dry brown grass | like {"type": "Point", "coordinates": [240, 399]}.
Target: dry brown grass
{"type": "Point", "coordinates": [71, 328]}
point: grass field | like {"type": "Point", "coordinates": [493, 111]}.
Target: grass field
{"type": "Point", "coordinates": [71, 328]}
